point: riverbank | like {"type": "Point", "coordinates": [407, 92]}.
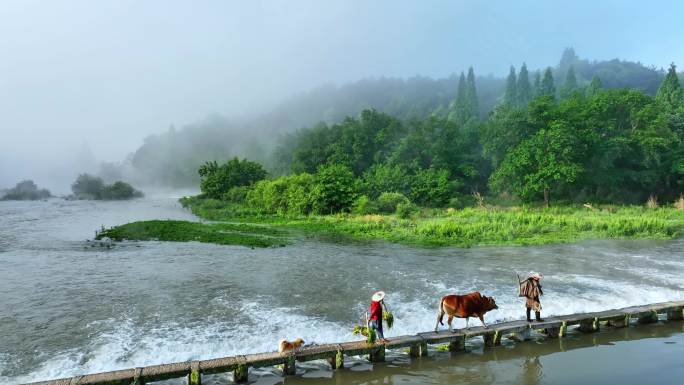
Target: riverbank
{"type": "Point", "coordinates": [185, 231]}
{"type": "Point", "coordinates": [485, 226]}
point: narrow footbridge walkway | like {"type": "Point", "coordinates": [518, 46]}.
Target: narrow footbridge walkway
{"type": "Point", "coordinates": [554, 327]}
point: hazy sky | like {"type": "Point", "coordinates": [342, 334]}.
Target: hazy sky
{"type": "Point", "coordinates": [98, 76]}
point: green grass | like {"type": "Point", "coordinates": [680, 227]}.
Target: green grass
{"type": "Point", "coordinates": [472, 226]}
{"type": "Point", "coordinates": [184, 231]}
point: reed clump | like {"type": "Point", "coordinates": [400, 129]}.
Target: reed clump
{"type": "Point", "coordinates": [679, 203]}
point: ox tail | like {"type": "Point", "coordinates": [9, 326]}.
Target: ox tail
{"type": "Point", "coordinates": [440, 312]}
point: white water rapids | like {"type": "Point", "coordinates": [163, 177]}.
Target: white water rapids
{"type": "Point", "coordinates": [67, 308]}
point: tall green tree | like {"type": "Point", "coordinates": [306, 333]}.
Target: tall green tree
{"type": "Point", "coordinates": [383, 178]}
{"type": "Point", "coordinates": [473, 103]}
{"type": "Point", "coordinates": [217, 180]}
{"type": "Point", "coordinates": [547, 87]}
{"type": "Point", "coordinates": [537, 84]}
{"type": "Point", "coordinates": [511, 92]}
{"type": "Point", "coordinates": [542, 164]}
{"type": "Point", "coordinates": [568, 59]}
{"type": "Point", "coordinates": [310, 148]}
{"type": "Point", "coordinates": [524, 87]}
{"type": "Point", "coordinates": [458, 110]}
{"type": "Point", "coordinates": [594, 87]}
{"type": "Point", "coordinates": [670, 92]}
{"type": "Point", "coordinates": [570, 85]}
{"type": "Point", "coordinates": [366, 141]}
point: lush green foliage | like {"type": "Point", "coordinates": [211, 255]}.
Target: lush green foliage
{"type": "Point", "coordinates": [550, 159]}
{"type": "Point", "coordinates": [612, 146]}
{"type": "Point", "coordinates": [287, 195]}
{"type": "Point", "coordinates": [184, 231]}
{"type": "Point", "coordinates": [428, 160]}
{"type": "Point", "coordinates": [330, 190]}
{"type": "Point", "coordinates": [382, 177]}
{"type": "Point", "coordinates": [602, 146]}
{"type": "Point", "coordinates": [406, 210]}
{"type": "Point", "coordinates": [335, 189]}
{"type": "Point", "coordinates": [388, 201]}
{"type": "Point", "coordinates": [25, 190]}
{"type": "Point", "coordinates": [618, 146]}
{"type": "Point", "coordinates": [218, 180]}
{"type": "Point", "coordinates": [91, 187]}
{"type": "Point", "coordinates": [363, 205]}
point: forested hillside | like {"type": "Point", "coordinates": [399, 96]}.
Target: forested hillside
{"type": "Point", "coordinates": [172, 158]}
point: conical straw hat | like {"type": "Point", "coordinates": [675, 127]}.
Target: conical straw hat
{"type": "Point", "coordinates": [535, 275]}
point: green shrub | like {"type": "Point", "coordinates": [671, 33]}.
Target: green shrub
{"type": "Point", "coordinates": [382, 177]}
{"type": "Point", "coordinates": [268, 196]}
{"type": "Point", "coordinates": [388, 201]}
{"type": "Point", "coordinates": [364, 205]}
{"type": "Point", "coordinates": [406, 210]}
{"type": "Point", "coordinates": [291, 195]}
{"type": "Point", "coordinates": [335, 189]}
{"type": "Point", "coordinates": [26, 190]}
{"type": "Point", "coordinates": [461, 201]}
{"type": "Point", "coordinates": [236, 194]}
{"type": "Point", "coordinates": [300, 193]}
{"type": "Point", "coordinates": [119, 191]}
{"type": "Point", "coordinates": [87, 186]}
{"type": "Point", "coordinates": [217, 180]}
{"type": "Point", "coordinates": [431, 187]}
{"type": "Point", "coordinates": [91, 187]}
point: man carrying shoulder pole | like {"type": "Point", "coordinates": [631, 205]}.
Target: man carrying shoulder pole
{"type": "Point", "coordinates": [531, 289]}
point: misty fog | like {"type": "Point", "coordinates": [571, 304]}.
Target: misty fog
{"type": "Point", "coordinates": [85, 82]}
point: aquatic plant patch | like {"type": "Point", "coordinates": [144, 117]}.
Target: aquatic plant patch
{"type": "Point", "coordinates": [185, 231]}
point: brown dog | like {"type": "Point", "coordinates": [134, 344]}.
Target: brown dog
{"type": "Point", "coordinates": [287, 346]}
{"type": "Point", "coordinates": [464, 306]}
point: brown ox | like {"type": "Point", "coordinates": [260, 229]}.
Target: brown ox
{"type": "Point", "coordinates": [464, 306]}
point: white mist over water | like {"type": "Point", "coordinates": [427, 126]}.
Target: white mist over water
{"type": "Point", "coordinates": [70, 309]}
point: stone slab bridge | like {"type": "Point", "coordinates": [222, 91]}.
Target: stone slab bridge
{"type": "Point", "coordinates": [553, 327]}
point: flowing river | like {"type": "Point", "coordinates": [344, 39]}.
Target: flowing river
{"type": "Point", "coordinates": [69, 308]}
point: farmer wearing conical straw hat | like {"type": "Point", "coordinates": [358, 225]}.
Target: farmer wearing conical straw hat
{"type": "Point", "coordinates": [531, 289]}
{"type": "Point", "coordinates": [375, 318]}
